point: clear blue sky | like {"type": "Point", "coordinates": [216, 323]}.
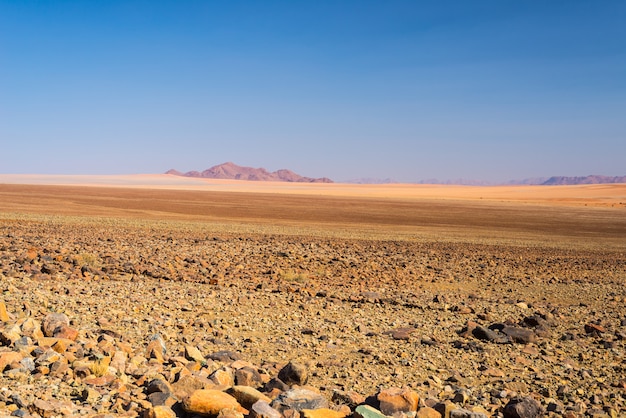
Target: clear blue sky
{"type": "Point", "coordinates": [487, 90]}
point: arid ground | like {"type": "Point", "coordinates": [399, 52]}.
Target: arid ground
{"type": "Point", "coordinates": [474, 295]}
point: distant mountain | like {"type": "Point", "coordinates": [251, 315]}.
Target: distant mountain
{"type": "Point", "coordinates": [369, 180]}
{"type": "Point", "coordinates": [530, 181]}
{"type": "Point", "coordinates": [593, 179]}
{"type": "Point", "coordinates": [556, 180]}
{"type": "Point", "coordinates": [233, 171]}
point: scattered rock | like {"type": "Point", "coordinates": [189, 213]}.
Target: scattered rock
{"type": "Point", "coordinates": [4, 315]}
{"type": "Point", "coordinates": [53, 321]}
{"type": "Point", "coordinates": [396, 400]}
{"type": "Point", "coordinates": [294, 374]}
{"type": "Point", "coordinates": [262, 409]}
{"type": "Point", "coordinates": [520, 335]}
{"type": "Point", "coordinates": [484, 333]}
{"type": "Point", "coordinates": [523, 407]}
{"type": "Point", "coordinates": [161, 412]}
{"type": "Point", "coordinates": [594, 329]}
{"type": "Point", "coordinates": [367, 411]}
{"type": "Point", "coordinates": [464, 413]}
{"type": "Point", "coordinates": [427, 412]}
{"type": "Point", "coordinates": [208, 402]}
{"type": "Point", "coordinates": [403, 333]}
{"type": "Point", "coordinates": [299, 399]}
{"type": "Point", "coordinates": [247, 396]}
{"type": "Point", "coordinates": [349, 398]}
{"type": "Point", "coordinates": [100, 360]}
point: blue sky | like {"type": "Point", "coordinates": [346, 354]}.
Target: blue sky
{"type": "Point", "coordinates": [409, 90]}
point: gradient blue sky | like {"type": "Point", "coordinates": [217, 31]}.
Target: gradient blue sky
{"type": "Point", "coordinates": [411, 90]}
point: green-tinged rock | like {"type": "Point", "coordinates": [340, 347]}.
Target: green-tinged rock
{"type": "Point", "coordinates": [366, 411]}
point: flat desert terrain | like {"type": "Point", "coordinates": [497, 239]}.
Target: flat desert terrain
{"type": "Point", "coordinates": [140, 295]}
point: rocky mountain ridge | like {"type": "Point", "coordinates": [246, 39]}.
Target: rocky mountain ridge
{"type": "Point", "coordinates": [535, 181]}
{"type": "Point", "coordinates": [232, 171]}
{"type": "Point", "coordinates": [591, 179]}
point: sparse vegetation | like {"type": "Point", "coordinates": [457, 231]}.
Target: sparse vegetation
{"type": "Point", "coordinates": [87, 259]}
{"type": "Point", "coordinates": [293, 276]}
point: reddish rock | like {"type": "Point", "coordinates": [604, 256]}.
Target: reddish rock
{"type": "Point", "coordinates": [9, 357]}
{"type": "Point", "coordinates": [403, 333]}
{"type": "Point", "coordinates": [594, 329]}
{"type": "Point", "coordinates": [229, 413]}
{"type": "Point", "coordinates": [66, 332]}
{"type": "Point", "coordinates": [397, 400]}
{"type": "Point", "coordinates": [99, 381]}
{"type": "Point", "coordinates": [45, 409]}
{"type": "Point", "coordinates": [427, 412]}
{"type": "Point", "coordinates": [520, 335]}
{"type": "Point", "coordinates": [160, 411]}
{"type": "Point", "coordinates": [208, 402]}
{"type": "Point", "coordinates": [248, 376]}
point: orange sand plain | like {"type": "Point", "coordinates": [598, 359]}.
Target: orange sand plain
{"type": "Point", "coordinates": [606, 195]}
{"type": "Point", "coordinates": [591, 216]}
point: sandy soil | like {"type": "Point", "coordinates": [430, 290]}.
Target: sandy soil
{"type": "Point", "coordinates": [403, 212]}
{"type": "Point", "coordinates": [613, 195]}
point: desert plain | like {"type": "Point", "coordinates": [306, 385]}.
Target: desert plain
{"type": "Point", "coordinates": [133, 295]}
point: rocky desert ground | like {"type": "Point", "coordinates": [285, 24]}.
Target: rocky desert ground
{"type": "Point", "coordinates": [231, 300]}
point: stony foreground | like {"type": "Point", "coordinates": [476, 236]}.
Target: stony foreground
{"type": "Point", "coordinates": [106, 320]}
